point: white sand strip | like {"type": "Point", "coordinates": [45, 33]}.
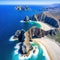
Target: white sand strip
{"type": "Point", "coordinates": [45, 26]}
{"type": "Point", "coordinates": [52, 48]}
{"type": "Point", "coordinates": [45, 52]}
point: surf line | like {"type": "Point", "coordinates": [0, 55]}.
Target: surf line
{"type": "Point", "coordinates": [45, 48]}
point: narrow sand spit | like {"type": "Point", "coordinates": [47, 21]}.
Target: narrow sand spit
{"type": "Point", "coordinates": [45, 26]}
{"type": "Point", "coordinates": [52, 48]}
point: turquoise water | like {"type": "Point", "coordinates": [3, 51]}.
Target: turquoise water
{"type": "Point", "coordinates": [10, 23]}
{"type": "Point", "coordinates": [40, 53]}
{"type": "Point", "coordinates": [29, 24]}
{"type": "Point", "coordinates": [39, 56]}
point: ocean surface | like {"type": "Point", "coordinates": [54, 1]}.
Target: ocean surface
{"type": "Point", "coordinates": [9, 23]}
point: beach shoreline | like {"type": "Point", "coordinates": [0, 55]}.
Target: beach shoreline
{"type": "Point", "coordinates": [51, 47]}
{"type": "Point", "coordinates": [45, 53]}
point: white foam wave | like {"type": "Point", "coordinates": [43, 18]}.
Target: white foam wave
{"type": "Point", "coordinates": [24, 56]}
{"type": "Point", "coordinates": [45, 52]}
{"type": "Point", "coordinates": [22, 21]}
{"type": "Point", "coordinates": [11, 38]}
{"type": "Point", "coordinates": [37, 50]}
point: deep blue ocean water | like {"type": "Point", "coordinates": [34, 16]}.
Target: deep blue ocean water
{"type": "Point", "coordinates": [9, 23]}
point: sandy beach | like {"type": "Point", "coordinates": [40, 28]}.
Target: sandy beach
{"type": "Point", "coordinates": [52, 48]}
{"type": "Point", "coordinates": [50, 45]}
{"type": "Point", "coordinates": [45, 26]}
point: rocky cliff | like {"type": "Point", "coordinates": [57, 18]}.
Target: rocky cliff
{"type": "Point", "coordinates": [50, 17]}
{"type": "Point", "coordinates": [38, 33]}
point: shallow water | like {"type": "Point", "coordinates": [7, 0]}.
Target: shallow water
{"type": "Point", "coordinates": [33, 56]}
{"type": "Point", "coordinates": [9, 23]}
{"type": "Point", "coordinates": [28, 25]}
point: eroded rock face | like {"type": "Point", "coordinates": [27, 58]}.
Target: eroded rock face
{"type": "Point", "coordinates": [38, 33]}
{"type": "Point", "coordinates": [24, 48]}
{"type": "Point", "coordinates": [47, 17]}
{"type": "Point", "coordinates": [20, 35]}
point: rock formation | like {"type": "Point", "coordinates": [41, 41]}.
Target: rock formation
{"type": "Point", "coordinates": [23, 39]}
{"type": "Point", "coordinates": [22, 8]}
{"type": "Point", "coordinates": [19, 8]}
{"type": "Point", "coordinates": [24, 48]}
{"type": "Point", "coordinates": [20, 35]}
{"type": "Point", "coordinates": [38, 33]}
{"type": "Point", "coordinates": [26, 19]}
{"type": "Point", "coordinates": [47, 17]}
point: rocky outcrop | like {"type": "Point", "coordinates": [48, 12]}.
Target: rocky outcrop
{"type": "Point", "coordinates": [24, 43]}
{"type": "Point", "coordinates": [24, 48]}
{"type": "Point", "coordinates": [20, 35]}
{"type": "Point", "coordinates": [47, 17]}
{"type": "Point", "coordinates": [26, 19]}
{"type": "Point", "coordinates": [23, 8]}
{"type": "Point", "coordinates": [38, 33]}
{"type": "Point", "coordinates": [17, 33]}
{"type": "Point", "coordinates": [19, 8]}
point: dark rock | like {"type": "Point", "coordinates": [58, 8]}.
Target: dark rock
{"type": "Point", "coordinates": [20, 35]}
{"type": "Point", "coordinates": [45, 17]}
{"type": "Point", "coordinates": [26, 19]}
{"type": "Point", "coordinates": [19, 8]}
{"type": "Point", "coordinates": [22, 49]}
{"type": "Point", "coordinates": [30, 40]}
{"type": "Point", "coordinates": [18, 32]}
{"type": "Point", "coordinates": [24, 8]}
{"type": "Point", "coordinates": [52, 32]}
